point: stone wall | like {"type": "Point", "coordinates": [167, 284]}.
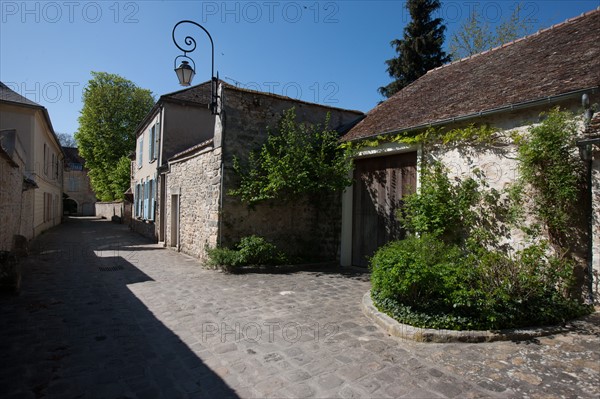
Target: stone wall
{"type": "Point", "coordinates": [309, 227]}
{"type": "Point", "coordinates": [194, 181]}
{"type": "Point", "coordinates": [147, 228]}
{"type": "Point", "coordinates": [500, 165]}
{"type": "Point", "coordinates": [11, 182]}
{"type": "Point", "coordinates": [107, 210]}
{"type": "Point", "coordinates": [83, 194]}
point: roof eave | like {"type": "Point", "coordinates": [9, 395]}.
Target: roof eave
{"type": "Point", "coordinates": [493, 111]}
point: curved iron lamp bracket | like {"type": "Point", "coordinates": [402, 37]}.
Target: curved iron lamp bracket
{"type": "Point", "coordinates": [189, 47]}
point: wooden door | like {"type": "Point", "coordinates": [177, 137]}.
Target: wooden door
{"type": "Point", "coordinates": [379, 185]}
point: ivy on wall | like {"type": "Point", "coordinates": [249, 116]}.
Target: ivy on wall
{"type": "Point", "coordinates": [457, 269]}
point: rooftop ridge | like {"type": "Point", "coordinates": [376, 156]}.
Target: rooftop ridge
{"type": "Point", "coordinates": [537, 33]}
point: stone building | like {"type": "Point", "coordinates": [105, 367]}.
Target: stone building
{"type": "Point", "coordinates": [506, 88]}
{"type": "Point", "coordinates": [194, 211]}
{"type": "Point", "coordinates": [31, 169]}
{"type": "Point", "coordinates": [177, 121]}
{"type": "Point", "coordinates": [80, 198]}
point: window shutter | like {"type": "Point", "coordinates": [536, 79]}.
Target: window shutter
{"type": "Point", "coordinates": [151, 144]}
{"type": "Point", "coordinates": [140, 151]}
{"type": "Point", "coordinates": [153, 199]}
{"type": "Point", "coordinates": [137, 200]}
{"type": "Point", "coordinates": [156, 140]}
{"type": "Point", "coordinates": [145, 213]}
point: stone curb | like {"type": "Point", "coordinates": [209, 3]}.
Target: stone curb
{"type": "Point", "coordinates": [405, 331]}
{"type": "Point", "coordinates": [266, 269]}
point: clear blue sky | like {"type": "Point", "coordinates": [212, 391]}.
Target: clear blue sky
{"type": "Point", "coordinates": [330, 52]}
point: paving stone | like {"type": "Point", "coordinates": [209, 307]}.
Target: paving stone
{"type": "Point", "coordinates": [297, 375]}
{"type": "Point", "coordinates": [162, 326]}
{"type": "Point", "coordinates": [300, 390]}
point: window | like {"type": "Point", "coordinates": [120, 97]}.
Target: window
{"type": "Point", "coordinates": [47, 207]}
{"type": "Point", "coordinates": [151, 198]}
{"type": "Point", "coordinates": [139, 199]}
{"type": "Point", "coordinates": [53, 166]}
{"type": "Point", "coordinates": [140, 151]}
{"type": "Point", "coordinates": [75, 166]}
{"type": "Point", "coordinates": [45, 159]}
{"type": "Point", "coordinates": [73, 183]}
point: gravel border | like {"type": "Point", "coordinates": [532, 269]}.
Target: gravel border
{"type": "Point", "coordinates": [405, 331]}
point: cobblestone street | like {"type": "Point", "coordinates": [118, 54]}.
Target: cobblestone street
{"type": "Point", "coordinates": [105, 314]}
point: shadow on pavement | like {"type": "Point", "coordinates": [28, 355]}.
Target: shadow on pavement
{"type": "Point", "coordinates": [78, 330]}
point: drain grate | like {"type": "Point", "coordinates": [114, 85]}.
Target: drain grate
{"type": "Point", "coordinates": [110, 268]}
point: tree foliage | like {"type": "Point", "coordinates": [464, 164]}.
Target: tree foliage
{"type": "Point", "coordinates": [112, 108]}
{"type": "Point", "coordinates": [420, 49]}
{"type": "Point", "coordinates": [296, 160]}
{"type": "Point", "coordinates": [66, 140]}
{"type": "Point", "coordinates": [476, 34]}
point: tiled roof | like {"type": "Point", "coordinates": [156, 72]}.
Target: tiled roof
{"type": "Point", "coordinates": [267, 94]}
{"type": "Point", "coordinates": [10, 96]}
{"type": "Point", "coordinates": [72, 155]}
{"type": "Point", "coordinates": [562, 59]}
{"type": "Point", "coordinates": [7, 94]}
{"type": "Point", "coordinates": [199, 94]}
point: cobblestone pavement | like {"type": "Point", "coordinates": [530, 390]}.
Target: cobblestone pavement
{"type": "Point", "coordinates": [104, 314]}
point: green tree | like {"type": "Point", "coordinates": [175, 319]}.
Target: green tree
{"type": "Point", "coordinates": [421, 48]}
{"type": "Point", "coordinates": [476, 34]}
{"type": "Point", "coordinates": [297, 159]}
{"type": "Point", "coordinates": [112, 108]}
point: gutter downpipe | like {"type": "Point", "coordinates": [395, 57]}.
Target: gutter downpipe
{"type": "Point", "coordinates": [498, 110]}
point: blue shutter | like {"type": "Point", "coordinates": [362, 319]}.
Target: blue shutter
{"type": "Point", "coordinates": [153, 200]}
{"type": "Point", "coordinates": [151, 144]}
{"type": "Point", "coordinates": [146, 200]}
{"type": "Point", "coordinates": [140, 151]}
{"type": "Point", "coordinates": [137, 200]}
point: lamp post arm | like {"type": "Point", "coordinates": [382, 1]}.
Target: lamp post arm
{"type": "Point", "coordinates": [190, 42]}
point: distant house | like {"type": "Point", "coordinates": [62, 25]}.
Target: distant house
{"type": "Point", "coordinates": [189, 207]}
{"type": "Point", "coordinates": [507, 87]}
{"type": "Point", "coordinates": [31, 169]}
{"type": "Point", "coordinates": [79, 198]}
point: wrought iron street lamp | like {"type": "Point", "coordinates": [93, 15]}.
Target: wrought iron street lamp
{"type": "Point", "coordinates": [185, 72]}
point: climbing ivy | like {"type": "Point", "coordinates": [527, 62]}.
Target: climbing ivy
{"type": "Point", "coordinates": [472, 134]}
{"type": "Point", "coordinates": [456, 269]}
{"type": "Point", "coordinates": [550, 164]}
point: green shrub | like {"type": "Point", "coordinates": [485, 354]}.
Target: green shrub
{"type": "Point", "coordinates": [457, 270]}
{"type": "Point", "coordinates": [223, 257]}
{"type": "Point", "coordinates": [428, 283]}
{"type": "Point", "coordinates": [251, 250]}
{"type": "Point", "coordinates": [255, 250]}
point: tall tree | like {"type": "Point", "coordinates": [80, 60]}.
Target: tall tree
{"type": "Point", "coordinates": [421, 48]}
{"type": "Point", "coordinates": [476, 34]}
{"type": "Point", "coordinates": [66, 140]}
{"type": "Point", "coordinates": [112, 108]}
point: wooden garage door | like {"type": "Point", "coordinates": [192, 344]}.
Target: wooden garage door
{"type": "Point", "coordinates": [379, 185]}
